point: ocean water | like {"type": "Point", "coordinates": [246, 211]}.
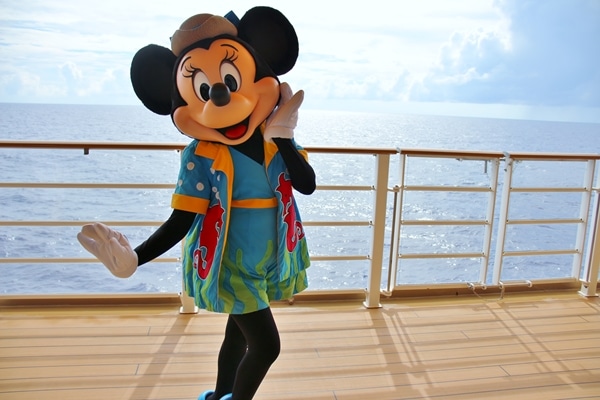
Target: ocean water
{"type": "Point", "coordinates": [316, 128]}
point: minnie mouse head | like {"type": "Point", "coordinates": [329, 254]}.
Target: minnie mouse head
{"type": "Point", "coordinates": [219, 79]}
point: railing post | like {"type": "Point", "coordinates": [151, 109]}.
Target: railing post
{"type": "Point", "coordinates": [377, 244]}
{"type": "Point", "coordinates": [503, 219]}
{"type": "Point", "coordinates": [489, 228]}
{"type": "Point", "coordinates": [188, 304]}
{"type": "Point", "coordinates": [396, 226]}
{"type": "Point", "coordinates": [584, 216]}
{"type": "Point", "coordinates": [590, 281]}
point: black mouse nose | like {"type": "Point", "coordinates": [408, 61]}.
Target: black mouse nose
{"type": "Point", "coordinates": [220, 94]}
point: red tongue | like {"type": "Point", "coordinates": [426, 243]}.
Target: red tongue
{"type": "Point", "coordinates": [235, 132]}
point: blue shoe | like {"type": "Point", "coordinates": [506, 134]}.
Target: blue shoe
{"type": "Point", "coordinates": [205, 395]}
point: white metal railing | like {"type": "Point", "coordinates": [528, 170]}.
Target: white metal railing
{"type": "Point", "coordinates": [388, 223]}
{"type": "Point", "coordinates": [400, 221]}
{"type": "Point", "coordinates": [377, 224]}
{"type": "Point", "coordinates": [85, 147]}
{"type": "Point", "coordinates": [581, 221]}
{"type": "Point", "coordinates": [586, 221]}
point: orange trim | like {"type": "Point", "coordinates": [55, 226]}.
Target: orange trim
{"type": "Point", "coordinates": [207, 149]}
{"type": "Point", "coordinates": [188, 203]}
{"type": "Point", "coordinates": [304, 154]}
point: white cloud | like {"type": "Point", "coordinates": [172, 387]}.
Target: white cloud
{"type": "Point", "coordinates": [549, 58]}
{"type": "Point", "coordinates": [72, 72]}
{"type": "Point", "coordinates": [18, 84]}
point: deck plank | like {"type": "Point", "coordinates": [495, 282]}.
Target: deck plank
{"type": "Point", "coordinates": [543, 346]}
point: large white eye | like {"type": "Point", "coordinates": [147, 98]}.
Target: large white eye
{"type": "Point", "coordinates": [231, 76]}
{"type": "Point", "coordinates": [201, 85]}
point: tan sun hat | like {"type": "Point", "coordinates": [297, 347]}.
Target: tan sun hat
{"type": "Point", "coordinates": [198, 27]}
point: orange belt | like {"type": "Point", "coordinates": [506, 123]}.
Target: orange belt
{"type": "Point", "coordinates": [254, 203]}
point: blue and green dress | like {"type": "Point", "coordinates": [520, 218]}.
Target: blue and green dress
{"type": "Point", "coordinates": [246, 246]}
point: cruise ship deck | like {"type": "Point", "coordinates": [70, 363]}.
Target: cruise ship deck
{"type": "Point", "coordinates": [495, 328]}
{"type": "Point", "coordinates": [542, 345]}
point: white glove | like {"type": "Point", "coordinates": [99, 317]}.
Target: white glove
{"type": "Point", "coordinates": [110, 247]}
{"type": "Point", "coordinates": [283, 120]}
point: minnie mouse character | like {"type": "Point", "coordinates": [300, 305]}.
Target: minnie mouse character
{"type": "Point", "coordinates": [233, 204]}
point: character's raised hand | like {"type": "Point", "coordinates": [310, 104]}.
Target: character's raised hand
{"type": "Point", "coordinates": [283, 120]}
{"type": "Point", "coordinates": [110, 247]}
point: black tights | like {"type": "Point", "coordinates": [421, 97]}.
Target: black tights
{"type": "Point", "coordinates": [250, 346]}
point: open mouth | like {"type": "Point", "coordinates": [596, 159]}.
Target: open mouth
{"type": "Point", "coordinates": [235, 131]}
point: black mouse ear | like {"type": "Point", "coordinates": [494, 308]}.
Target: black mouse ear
{"type": "Point", "coordinates": [152, 77]}
{"type": "Point", "coordinates": [272, 36]}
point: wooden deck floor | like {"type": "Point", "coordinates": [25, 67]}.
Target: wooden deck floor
{"type": "Point", "coordinates": [543, 346]}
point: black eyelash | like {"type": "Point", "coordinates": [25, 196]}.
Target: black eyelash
{"type": "Point", "coordinates": [191, 70]}
{"type": "Point", "coordinates": [230, 57]}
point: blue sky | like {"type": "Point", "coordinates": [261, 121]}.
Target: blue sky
{"type": "Point", "coordinates": [531, 59]}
